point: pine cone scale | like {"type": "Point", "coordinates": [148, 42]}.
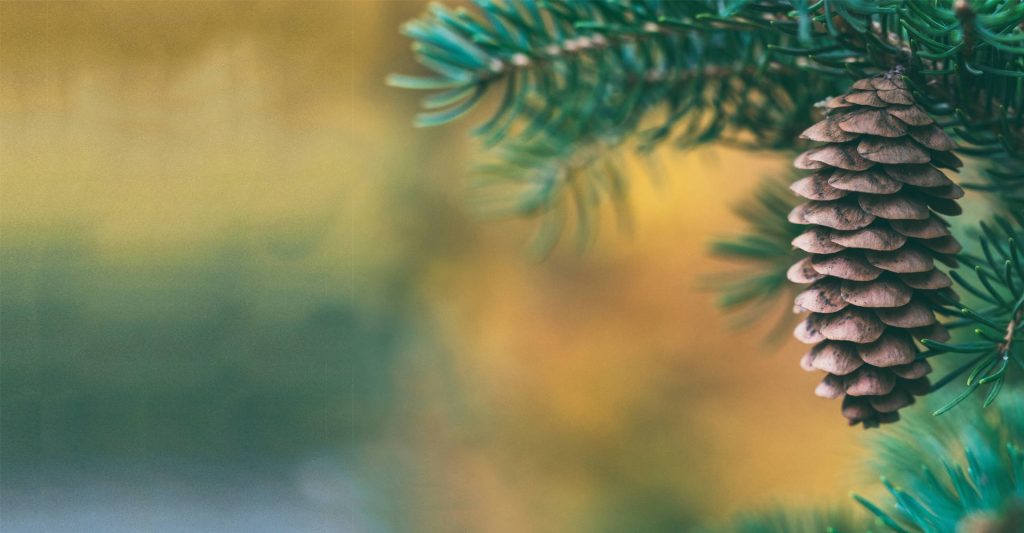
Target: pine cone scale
{"type": "Point", "coordinates": [868, 181]}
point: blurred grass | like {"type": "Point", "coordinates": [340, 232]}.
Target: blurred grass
{"type": "Point", "coordinates": [222, 240]}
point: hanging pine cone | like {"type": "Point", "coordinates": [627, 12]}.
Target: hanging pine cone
{"type": "Point", "coordinates": [875, 233]}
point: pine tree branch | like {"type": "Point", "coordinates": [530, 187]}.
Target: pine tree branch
{"type": "Point", "coordinates": [995, 323]}
{"type": "Point", "coordinates": [764, 253]}
{"type": "Point", "coordinates": [959, 472]}
{"type": "Point", "coordinates": [742, 71]}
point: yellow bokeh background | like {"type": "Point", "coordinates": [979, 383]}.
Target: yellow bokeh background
{"type": "Point", "coordinates": [219, 171]}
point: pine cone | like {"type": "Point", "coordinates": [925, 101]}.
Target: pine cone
{"type": "Point", "coordinates": [874, 235]}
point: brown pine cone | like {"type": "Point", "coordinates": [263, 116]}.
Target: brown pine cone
{"type": "Point", "coordinates": [874, 235]}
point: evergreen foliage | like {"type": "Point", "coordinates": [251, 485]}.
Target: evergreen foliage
{"type": "Point", "coordinates": [947, 473]}
{"type": "Point", "coordinates": [991, 325]}
{"type": "Point", "coordinates": [758, 287]}
{"type": "Point", "coordinates": [591, 77]}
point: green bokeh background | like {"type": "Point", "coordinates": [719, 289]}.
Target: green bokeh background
{"type": "Point", "coordinates": [241, 293]}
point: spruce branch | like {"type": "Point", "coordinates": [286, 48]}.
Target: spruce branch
{"type": "Point", "coordinates": [602, 76]}
{"type": "Point", "coordinates": [994, 320]}
{"type": "Point", "coordinates": [1003, 180]}
{"type": "Point", "coordinates": [742, 71]}
{"type": "Point", "coordinates": [561, 185]}
{"type": "Point", "coordinates": [758, 288]}
{"type": "Point", "coordinates": [960, 472]}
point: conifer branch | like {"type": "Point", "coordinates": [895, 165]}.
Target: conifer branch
{"type": "Point", "coordinates": [960, 472]}
{"type": "Point", "coordinates": [994, 321]}
{"type": "Point", "coordinates": [601, 76]}
{"type": "Point", "coordinates": [743, 71]}
{"type": "Point", "coordinates": [759, 288]}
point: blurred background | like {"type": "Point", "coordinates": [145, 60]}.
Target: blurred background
{"type": "Point", "coordinates": [240, 292]}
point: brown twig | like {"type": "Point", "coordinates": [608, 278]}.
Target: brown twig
{"type": "Point", "coordinates": [1004, 347]}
